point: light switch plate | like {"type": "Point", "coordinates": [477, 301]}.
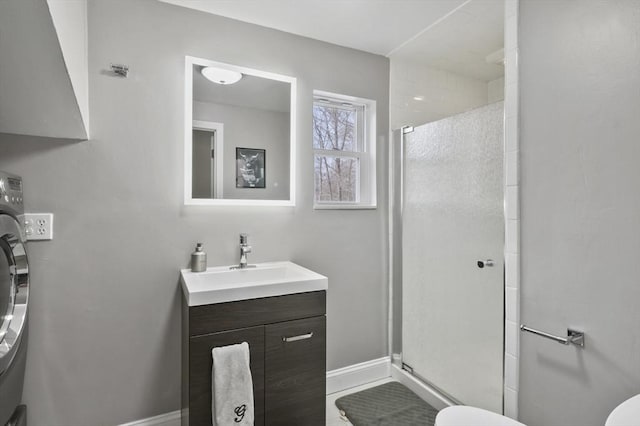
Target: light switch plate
{"type": "Point", "coordinates": [38, 226]}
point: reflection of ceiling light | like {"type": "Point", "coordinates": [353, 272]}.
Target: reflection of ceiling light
{"type": "Point", "coordinates": [221, 75]}
{"type": "Point", "coordinates": [418, 98]}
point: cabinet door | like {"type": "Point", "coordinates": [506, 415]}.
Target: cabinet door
{"type": "Point", "coordinates": [200, 364]}
{"type": "Point", "coordinates": [295, 373]}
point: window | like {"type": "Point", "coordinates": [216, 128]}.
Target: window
{"type": "Point", "coordinates": [344, 151]}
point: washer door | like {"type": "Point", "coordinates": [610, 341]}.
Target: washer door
{"type": "Point", "coordinates": [14, 288]}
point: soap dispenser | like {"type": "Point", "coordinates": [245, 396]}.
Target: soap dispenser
{"type": "Point", "coordinates": [198, 259]}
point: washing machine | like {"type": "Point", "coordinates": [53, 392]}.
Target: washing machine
{"type": "Point", "coordinates": [14, 295]}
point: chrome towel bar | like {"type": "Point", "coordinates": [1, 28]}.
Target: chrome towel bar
{"type": "Point", "coordinates": [573, 336]}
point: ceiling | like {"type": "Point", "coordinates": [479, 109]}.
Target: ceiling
{"type": "Point", "coordinates": [454, 35]}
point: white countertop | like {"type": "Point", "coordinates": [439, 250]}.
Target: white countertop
{"type": "Point", "coordinates": [222, 284]}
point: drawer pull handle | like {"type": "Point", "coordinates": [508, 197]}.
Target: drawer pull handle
{"type": "Point", "coordinates": [296, 338]}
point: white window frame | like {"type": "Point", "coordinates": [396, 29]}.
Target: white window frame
{"type": "Point", "coordinates": [366, 151]}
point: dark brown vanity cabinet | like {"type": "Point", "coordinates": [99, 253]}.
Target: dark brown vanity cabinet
{"type": "Point", "coordinates": [287, 344]}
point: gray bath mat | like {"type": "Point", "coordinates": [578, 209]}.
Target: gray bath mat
{"type": "Point", "coordinates": [391, 404]}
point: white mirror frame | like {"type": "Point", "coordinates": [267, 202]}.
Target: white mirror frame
{"type": "Point", "coordinates": [190, 61]}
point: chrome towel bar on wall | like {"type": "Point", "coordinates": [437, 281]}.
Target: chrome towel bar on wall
{"type": "Point", "coordinates": [573, 336]}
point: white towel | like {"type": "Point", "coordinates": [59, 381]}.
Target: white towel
{"type": "Point", "coordinates": [231, 386]}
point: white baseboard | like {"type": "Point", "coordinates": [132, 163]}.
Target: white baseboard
{"type": "Point", "coordinates": [358, 374]}
{"type": "Point", "coordinates": [166, 419]}
{"type": "Point", "coordinates": [337, 380]}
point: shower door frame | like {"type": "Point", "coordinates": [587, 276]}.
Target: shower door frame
{"type": "Point", "coordinates": [511, 194]}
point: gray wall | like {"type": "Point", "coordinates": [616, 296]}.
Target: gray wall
{"type": "Point", "coordinates": [105, 323]}
{"type": "Point", "coordinates": [580, 112]}
{"type": "Point", "coordinates": [252, 128]}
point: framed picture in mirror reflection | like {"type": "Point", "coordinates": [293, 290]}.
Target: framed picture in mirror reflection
{"type": "Point", "coordinates": [250, 168]}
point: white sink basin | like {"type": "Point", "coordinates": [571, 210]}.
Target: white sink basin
{"type": "Point", "coordinates": [222, 284]}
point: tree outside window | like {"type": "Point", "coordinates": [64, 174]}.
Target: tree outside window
{"type": "Point", "coordinates": [337, 151]}
{"type": "Point", "coordinates": [344, 151]}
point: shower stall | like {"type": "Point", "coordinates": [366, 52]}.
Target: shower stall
{"type": "Point", "coordinates": [447, 280]}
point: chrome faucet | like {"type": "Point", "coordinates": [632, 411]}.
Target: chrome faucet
{"type": "Point", "coordinates": [245, 249]}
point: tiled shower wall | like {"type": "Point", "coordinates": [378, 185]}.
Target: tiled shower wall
{"type": "Point", "coordinates": [454, 94]}
{"type": "Point", "coordinates": [512, 210]}
{"type": "Point", "coordinates": [443, 94]}
{"type": "Point", "coordinates": [495, 90]}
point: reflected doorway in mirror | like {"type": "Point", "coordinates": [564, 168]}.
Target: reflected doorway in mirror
{"type": "Point", "coordinates": [250, 168]}
{"type": "Point", "coordinates": [207, 160]}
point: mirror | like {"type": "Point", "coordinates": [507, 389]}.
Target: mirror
{"type": "Point", "coordinates": [239, 135]}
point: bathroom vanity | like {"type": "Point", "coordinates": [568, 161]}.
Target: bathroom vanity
{"type": "Point", "coordinates": [283, 321]}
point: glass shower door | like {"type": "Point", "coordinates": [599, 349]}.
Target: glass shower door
{"type": "Point", "coordinates": [452, 219]}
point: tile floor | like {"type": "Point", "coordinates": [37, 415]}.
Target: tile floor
{"type": "Point", "coordinates": [333, 415]}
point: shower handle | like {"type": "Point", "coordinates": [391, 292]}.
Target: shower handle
{"type": "Point", "coordinates": [488, 263]}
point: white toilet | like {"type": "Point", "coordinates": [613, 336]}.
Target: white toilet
{"type": "Point", "coordinates": [624, 414]}
{"type": "Point", "coordinates": [463, 415]}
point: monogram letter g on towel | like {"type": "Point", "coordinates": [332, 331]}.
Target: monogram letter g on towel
{"type": "Point", "coordinates": [240, 413]}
